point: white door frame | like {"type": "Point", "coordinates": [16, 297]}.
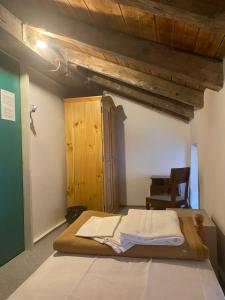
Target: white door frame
{"type": "Point", "coordinates": [25, 125]}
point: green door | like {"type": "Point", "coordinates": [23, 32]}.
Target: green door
{"type": "Point", "coordinates": [11, 189]}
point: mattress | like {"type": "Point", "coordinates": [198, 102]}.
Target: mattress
{"type": "Point", "coordinates": [76, 277]}
{"type": "Point", "coordinates": [192, 248]}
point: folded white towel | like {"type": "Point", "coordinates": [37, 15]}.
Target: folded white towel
{"type": "Point", "coordinates": [145, 227]}
{"type": "Point", "coordinates": [99, 227]}
{"type": "Point", "coordinates": [142, 227]}
{"type": "Point", "coordinates": [152, 227]}
{"type": "Point", "coordinates": [115, 241]}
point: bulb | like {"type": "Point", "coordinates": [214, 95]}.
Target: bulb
{"type": "Point", "coordinates": [41, 44]}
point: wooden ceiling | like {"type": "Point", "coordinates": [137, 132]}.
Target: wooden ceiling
{"type": "Point", "coordinates": [123, 17]}
{"type": "Point", "coordinates": [162, 53]}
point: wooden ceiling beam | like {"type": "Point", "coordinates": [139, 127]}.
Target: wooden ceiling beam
{"type": "Point", "coordinates": [149, 57]}
{"type": "Point", "coordinates": [164, 104]}
{"type": "Point", "coordinates": [146, 56]}
{"type": "Point", "coordinates": [208, 14]}
{"type": "Point", "coordinates": [49, 62]}
{"type": "Point", "coordinates": [140, 80]}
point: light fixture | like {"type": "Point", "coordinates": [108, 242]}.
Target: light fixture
{"type": "Point", "coordinates": [41, 44]}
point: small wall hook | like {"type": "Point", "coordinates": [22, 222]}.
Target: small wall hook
{"type": "Point", "coordinates": [33, 109]}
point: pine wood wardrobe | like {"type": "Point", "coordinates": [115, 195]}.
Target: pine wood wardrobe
{"type": "Point", "coordinates": [91, 153]}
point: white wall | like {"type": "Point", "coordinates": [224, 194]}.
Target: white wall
{"type": "Point", "coordinates": [153, 143]}
{"type": "Point", "coordinates": [208, 132]}
{"type": "Point", "coordinates": [48, 166]}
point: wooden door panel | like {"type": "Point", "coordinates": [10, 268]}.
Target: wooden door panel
{"type": "Point", "coordinates": [110, 157]}
{"type": "Point", "coordinates": [87, 154]}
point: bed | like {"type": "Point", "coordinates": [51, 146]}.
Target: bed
{"type": "Point", "coordinates": [65, 276]}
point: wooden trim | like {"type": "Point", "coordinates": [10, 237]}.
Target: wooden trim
{"type": "Point", "coordinates": [25, 125]}
{"type": "Point", "coordinates": [83, 99]}
{"type": "Point", "coordinates": [109, 99]}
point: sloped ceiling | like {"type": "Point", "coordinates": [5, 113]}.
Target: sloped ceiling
{"type": "Point", "coordinates": [158, 52]}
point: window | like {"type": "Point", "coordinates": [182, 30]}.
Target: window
{"type": "Point", "coordinates": [194, 195]}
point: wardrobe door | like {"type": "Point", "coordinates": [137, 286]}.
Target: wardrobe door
{"type": "Point", "coordinates": [84, 153]}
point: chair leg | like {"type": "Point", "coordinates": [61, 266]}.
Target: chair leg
{"type": "Point", "coordinates": [147, 204]}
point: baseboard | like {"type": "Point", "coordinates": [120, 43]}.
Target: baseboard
{"type": "Point", "coordinates": [49, 231]}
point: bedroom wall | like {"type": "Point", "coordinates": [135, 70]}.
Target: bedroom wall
{"type": "Point", "coordinates": [47, 151]}
{"type": "Point", "coordinates": [149, 143]}
{"type": "Point", "coordinates": [207, 130]}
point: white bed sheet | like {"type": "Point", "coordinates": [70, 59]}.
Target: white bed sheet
{"type": "Point", "coordinates": [74, 277]}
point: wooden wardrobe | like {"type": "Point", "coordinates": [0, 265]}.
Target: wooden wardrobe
{"type": "Point", "coordinates": [91, 153]}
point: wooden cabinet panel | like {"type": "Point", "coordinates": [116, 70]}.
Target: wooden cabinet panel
{"type": "Point", "coordinates": [89, 141]}
{"type": "Point", "coordinates": [110, 161]}
{"type": "Point", "coordinates": [114, 160]}
{"type": "Point", "coordinates": [109, 195]}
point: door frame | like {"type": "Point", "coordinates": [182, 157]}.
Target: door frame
{"type": "Point", "coordinates": [25, 126]}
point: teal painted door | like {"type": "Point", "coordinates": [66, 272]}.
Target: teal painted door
{"type": "Point", "coordinates": [11, 188]}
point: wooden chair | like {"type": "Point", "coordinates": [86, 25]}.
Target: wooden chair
{"type": "Point", "coordinates": [178, 176]}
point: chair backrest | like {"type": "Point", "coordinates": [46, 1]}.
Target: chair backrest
{"type": "Point", "coordinates": [179, 176]}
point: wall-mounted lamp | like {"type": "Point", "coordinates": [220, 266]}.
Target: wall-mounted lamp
{"type": "Point", "coordinates": [41, 44]}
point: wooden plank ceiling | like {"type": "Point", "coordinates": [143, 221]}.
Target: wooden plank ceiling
{"type": "Point", "coordinates": [162, 53]}
{"type": "Point", "coordinates": [116, 15]}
